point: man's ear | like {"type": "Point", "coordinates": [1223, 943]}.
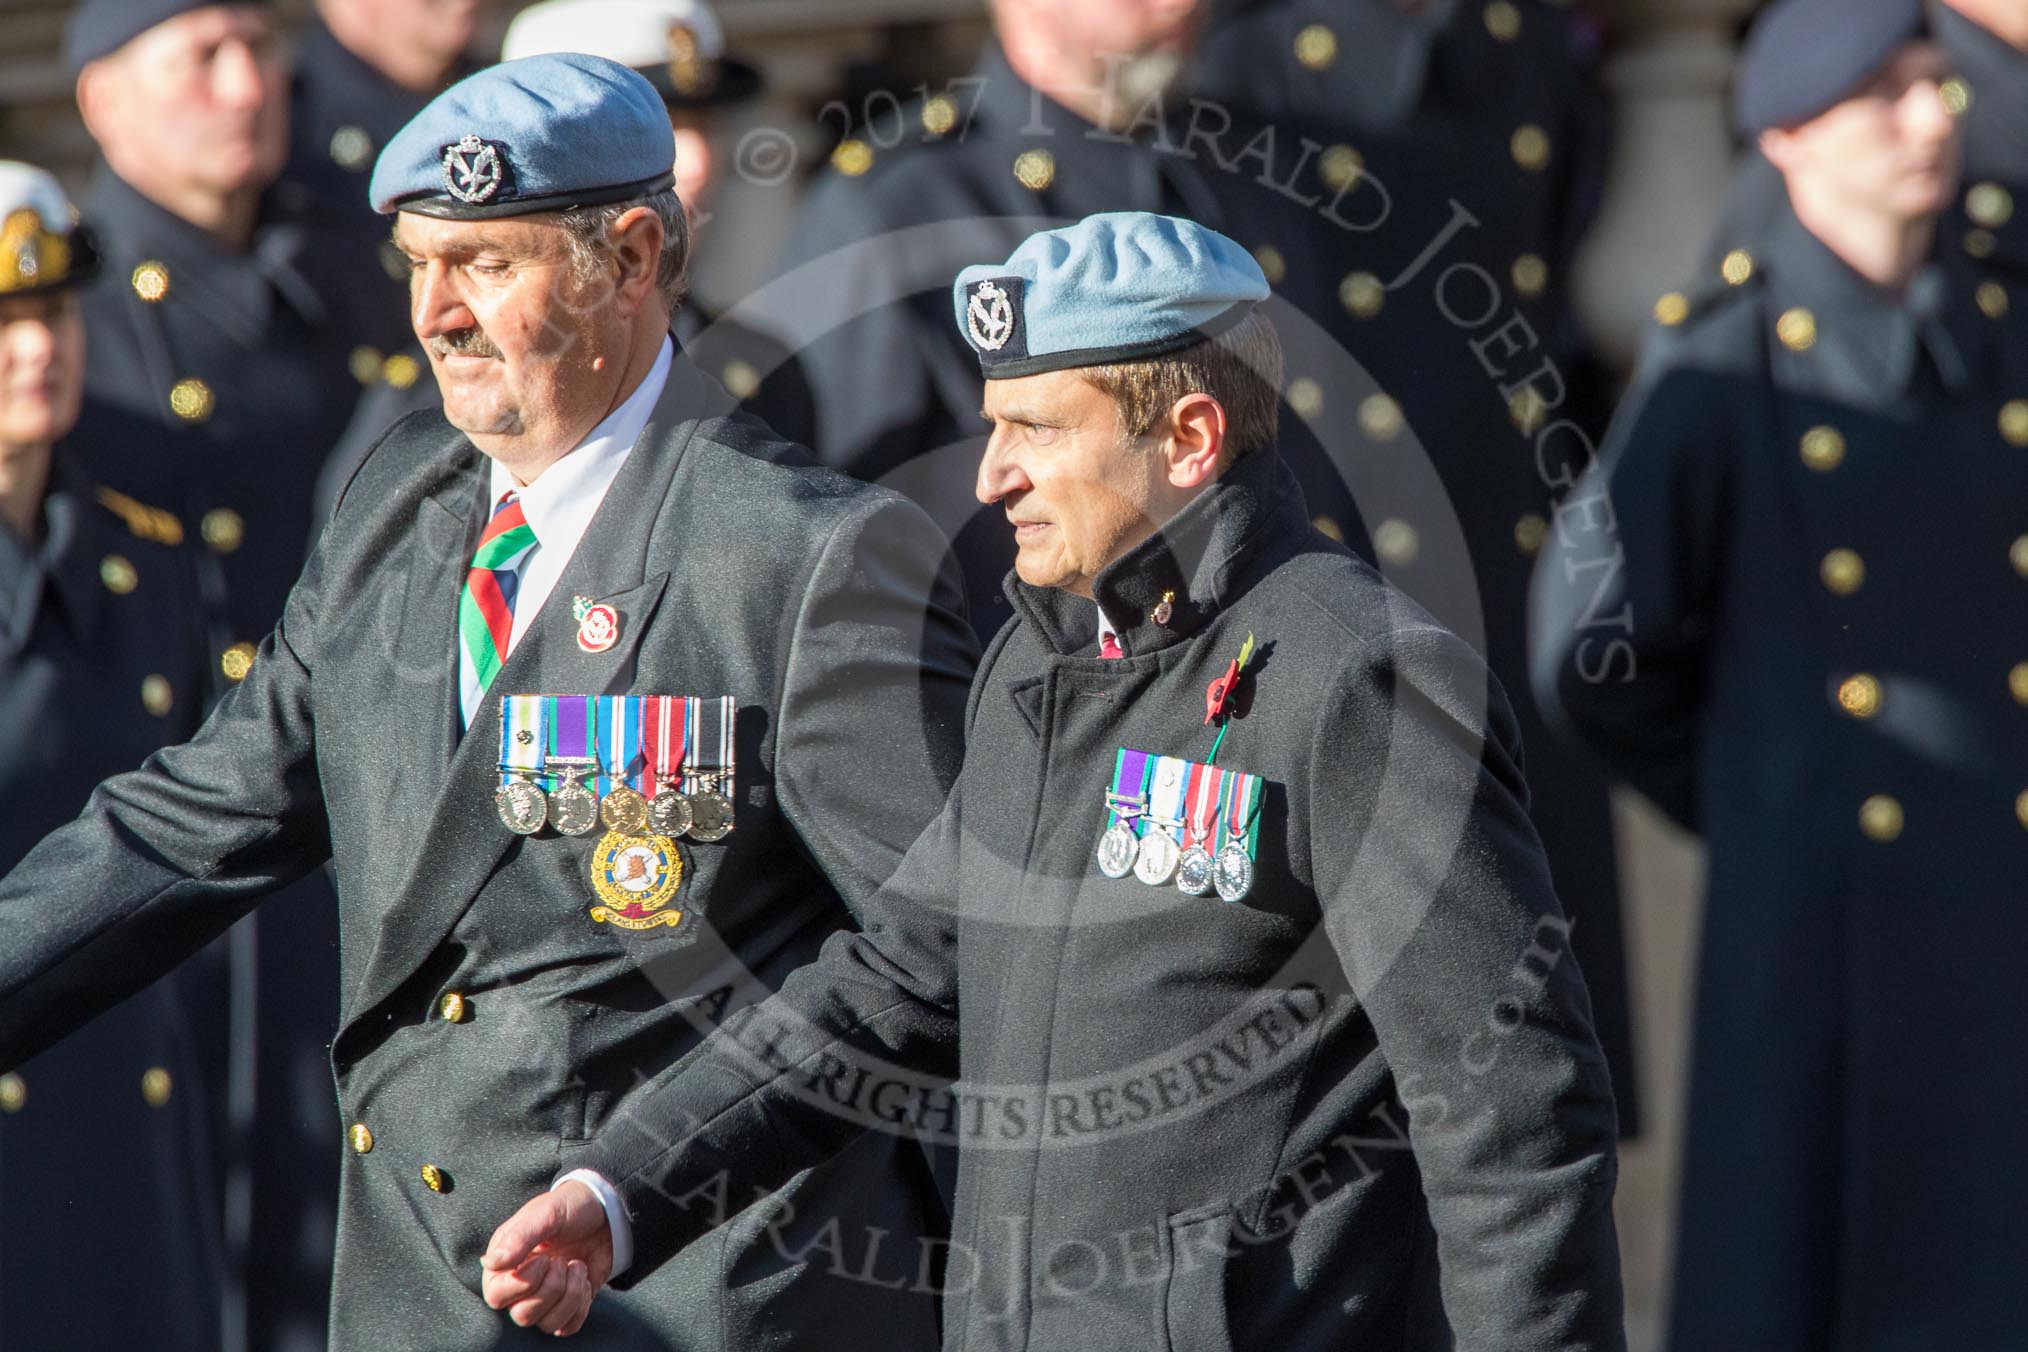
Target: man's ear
{"type": "Point", "coordinates": [95, 90]}
{"type": "Point", "coordinates": [1779, 145]}
{"type": "Point", "coordinates": [1196, 440]}
{"type": "Point", "coordinates": [637, 249]}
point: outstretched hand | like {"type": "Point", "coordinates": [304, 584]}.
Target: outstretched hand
{"type": "Point", "coordinates": [550, 1258]}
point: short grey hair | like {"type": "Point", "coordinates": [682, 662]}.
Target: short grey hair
{"type": "Point", "coordinates": [589, 230]}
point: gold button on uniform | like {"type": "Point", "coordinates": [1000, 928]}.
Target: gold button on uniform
{"type": "Point", "coordinates": [1530, 147]}
{"type": "Point", "coordinates": [1980, 243]}
{"type": "Point", "coordinates": [156, 696]}
{"type": "Point", "coordinates": [1328, 525]}
{"type": "Point", "coordinates": [1797, 329]}
{"type": "Point", "coordinates": [1531, 275]}
{"type": "Point", "coordinates": [151, 281]}
{"type": "Point", "coordinates": [351, 148]}
{"type": "Point", "coordinates": [361, 1138]}
{"type": "Point", "coordinates": [13, 1093]}
{"type": "Point", "coordinates": [741, 380]}
{"type": "Point", "coordinates": [433, 1178]}
{"type": "Point", "coordinates": [223, 529]}
{"type": "Point", "coordinates": [1036, 169]}
{"type": "Point", "coordinates": [1737, 267]}
{"type": "Point", "coordinates": [1340, 167]}
{"type": "Point", "coordinates": [1859, 695]}
{"type": "Point", "coordinates": [1529, 533]}
{"type": "Point", "coordinates": [2014, 422]}
{"type": "Point", "coordinates": [1380, 417]}
{"type": "Point", "coordinates": [1503, 21]}
{"type": "Point", "coordinates": [364, 363]}
{"type": "Point", "coordinates": [2017, 682]}
{"type": "Point", "coordinates": [2021, 808]}
{"type": "Point", "coordinates": [1992, 298]}
{"type": "Point", "coordinates": [1989, 204]}
{"type": "Point", "coordinates": [1362, 293]}
{"type": "Point", "coordinates": [1957, 95]}
{"type": "Point", "coordinates": [939, 115]}
{"type": "Point", "coordinates": [155, 1086]}
{"type": "Point", "coordinates": [1843, 571]}
{"type": "Point", "coordinates": [117, 572]}
{"type": "Point", "coordinates": [400, 370]}
{"type": "Point", "coordinates": [1672, 309]}
{"type": "Point", "coordinates": [1823, 448]}
{"type": "Point", "coordinates": [1316, 47]}
{"type": "Point", "coordinates": [1527, 410]}
{"type": "Point", "coordinates": [1272, 265]}
{"type": "Point", "coordinates": [191, 400]}
{"type": "Point", "coordinates": [2017, 554]}
{"type": "Point", "coordinates": [1396, 542]}
{"type": "Point", "coordinates": [452, 1007]}
{"type": "Point", "coordinates": [1880, 817]}
{"type": "Point", "coordinates": [853, 157]}
{"type": "Point", "coordinates": [237, 661]}
{"type": "Point", "coordinates": [1306, 397]}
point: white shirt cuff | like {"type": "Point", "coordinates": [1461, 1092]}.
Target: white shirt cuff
{"type": "Point", "coordinates": [621, 1229]}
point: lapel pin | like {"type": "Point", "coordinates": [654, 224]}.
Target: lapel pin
{"type": "Point", "coordinates": [1165, 609]}
{"type": "Point", "coordinates": [598, 628]}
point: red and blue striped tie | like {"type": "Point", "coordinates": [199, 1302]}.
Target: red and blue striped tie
{"type": "Point", "coordinates": [486, 606]}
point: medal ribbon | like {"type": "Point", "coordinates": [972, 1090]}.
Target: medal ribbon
{"type": "Point", "coordinates": [619, 741]}
{"type": "Point", "coordinates": [571, 721]}
{"type": "Point", "coordinates": [519, 714]}
{"type": "Point", "coordinates": [710, 748]}
{"type": "Point", "coordinates": [665, 727]}
{"type": "Point", "coordinates": [1172, 781]}
{"type": "Point", "coordinates": [1236, 813]}
{"type": "Point", "coordinates": [1202, 795]}
{"type": "Point", "coordinates": [1130, 780]}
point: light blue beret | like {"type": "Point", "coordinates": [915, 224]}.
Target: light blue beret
{"type": "Point", "coordinates": [1119, 286]}
{"type": "Point", "coordinates": [546, 133]}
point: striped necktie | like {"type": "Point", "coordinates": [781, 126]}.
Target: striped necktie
{"type": "Point", "coordinates": [486, 606]}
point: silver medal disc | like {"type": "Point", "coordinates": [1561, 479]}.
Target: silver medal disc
{"type": "Point", "coordinates": [669, 812]}
{"type": "Point", "coordinates": [1116, 850]}
{"type": "Point", "coordinates": [573, 809]}
{"type": "Point", "coordinates": [1156, 863]}
{"type": "Point", "coordinates": [1232, 872]}
{"type": "Point", "coordinates": [1193, 871]}
{"type": "Point", "coordinates": [523, 809]}
{"type": "Point", "coordinates": [624, 811]}
{"type": "Point", "coordinates": [710, 816]}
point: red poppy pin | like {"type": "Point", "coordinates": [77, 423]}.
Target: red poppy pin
{"type": "Point", "coordinates": [1219, 693]}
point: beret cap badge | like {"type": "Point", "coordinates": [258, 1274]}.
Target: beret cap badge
{"type": "Point", "coordinates": [472, 171]}
{"type": "Point", "coordinates": [990, 317]}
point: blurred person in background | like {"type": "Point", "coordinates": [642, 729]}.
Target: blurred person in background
{"type": "Point", "coordinates": [101, 662]}
{"type": "Point", "coordinates": [362, 69]}
{"type": "Point", "coordinates": [1433, 166]}
{"type": "Point", "coordinates": [1773, 607]}
{"type": "Point", "coordinates": [217, 381]}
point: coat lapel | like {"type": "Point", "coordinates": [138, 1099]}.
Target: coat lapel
{"type": "Point", "coordinates": [464, 841]}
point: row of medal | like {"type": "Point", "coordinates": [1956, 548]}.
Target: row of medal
{"type": "Point", "coordinates": [1173, 820]}
{"type": "Point", "coordinates": [640, 764]}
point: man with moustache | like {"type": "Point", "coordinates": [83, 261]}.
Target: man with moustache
{"type": "Point", "coordinates": [101, 662]}
{"type": "Point", "coordinates": [583, 524]}
{"type": "Point", "coordinates": [1350, 1101]}
{"type": "Point", "coordinates": [1063, 117]}
{"type": "Point", "coordinates": [1771, 608]}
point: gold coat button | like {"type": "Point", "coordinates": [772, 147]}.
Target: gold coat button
{"type": "Point", "coordinates": [191, 400]}
{"type": "Point", "coordinates": [1396, 542]}
{"type": "Point", "coordinates": [117, 572]}
{"type": "Point", "coordinates": [13, 1093]}
{"type": "Point", "coordinates": [1797, 328]}
{"type": "Point", "coordinates": [741, 380]}
{"type": "Point", "coordinates": [1880, 817]}
{"type": "Point", "coordinates": [1529, 533]}
{"type": "Point", "coordinates": [1362, 293]}
{"type": "Point", "coordinates": [155, 1086]}
{"type": "Point", "coordinates": [400, 370]}
{"type": "Point", "coordinates": [452, 1007]}
{"type": "Point", "coordinates": [1380, 417]}
{"type": "Point", "coordinates": [1527, 410]}
{"type": "Point", "coordinates": [1529, 146]}
{"type": "Point", "coordinates": [939, 115]}
{"type": "Point", "coordinates": [2014, 422]}
{"type": "Point", "coordinates": [361, 1138]}
{"type": "Point", "coordinates": [2017, 682]}
{"type": "Point", "coordinates": [156, 696]}
{"type": "Point", "coordinates": [853, 157]}
{"type": "Point", "coordinates": [1843, 571]}
{"type": "Point", "coordinates": [1503, 21]}
{"type": "Point", "coordinates": [1859, 695]}
{"type": "Point", "coordinates": [237, 661]}
{"type": "Point", "coordinates": [223, 529]}
{"type": "Point", "coordinates": [1327, 524]}
{"type": "Point", "coordinates": [1672, 309]}
{"type": "Point", "coordinates": [435, 1179]}
{"type": "Point", "coordinates": [1737, 268]}
{"type": "Point", "coordinates": [1316, 47]}
{"type": "Point", "coordinates": [1272, 265]}
{"type": "Point", "coordinates": [2021, 808]}
{"type": "Point", "coordinates": [1036, 169]}
{"type": "Point", "coordinates": [1980, 243]}
{"type": "Point", "coordinates": [364, 364]}
{"type": "Point", "coordinates": [151, 281]}
{"type": "Point", "coordinates": [1531, 275]}
{"type": "Point", "coordinates": [1306, 397]}
{"type": "Point", "coordinates": [2017, 554]}
{"type": "Point", "coordinates": [1956, 94]}
{"type": "Point", "coordinates": [1992, 298]}
{"type": "Point", "coordinates": [1340, 167]}
{"type": "Point", "coordinates": [1823, 448]}
{"type": "Point", "coordinates": [1989, 204]}
{"type": "Point", "coordinates": [351, 148]}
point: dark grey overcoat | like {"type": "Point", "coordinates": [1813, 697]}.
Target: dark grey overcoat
{"type": "Point", "coordinates": [1358, 1105]}
{"type": "Point", "coordinates": [824, 606]}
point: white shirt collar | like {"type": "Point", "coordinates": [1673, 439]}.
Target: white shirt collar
{"type": "Point", "coordinates": [1106, 627]}
{"type": "Point", "coordinates": [560, 504]}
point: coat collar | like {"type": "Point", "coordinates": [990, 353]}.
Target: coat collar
{"type": "Point", "coordinates": [63, 566]}
{"type": "Point", "coordinates": [1209, 555]}
{"type": "Point", "coordinates": [1996, 128]}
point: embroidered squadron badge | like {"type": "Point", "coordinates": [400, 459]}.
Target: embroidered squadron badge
{"type": "Point", "coordinates": [636, 877]}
